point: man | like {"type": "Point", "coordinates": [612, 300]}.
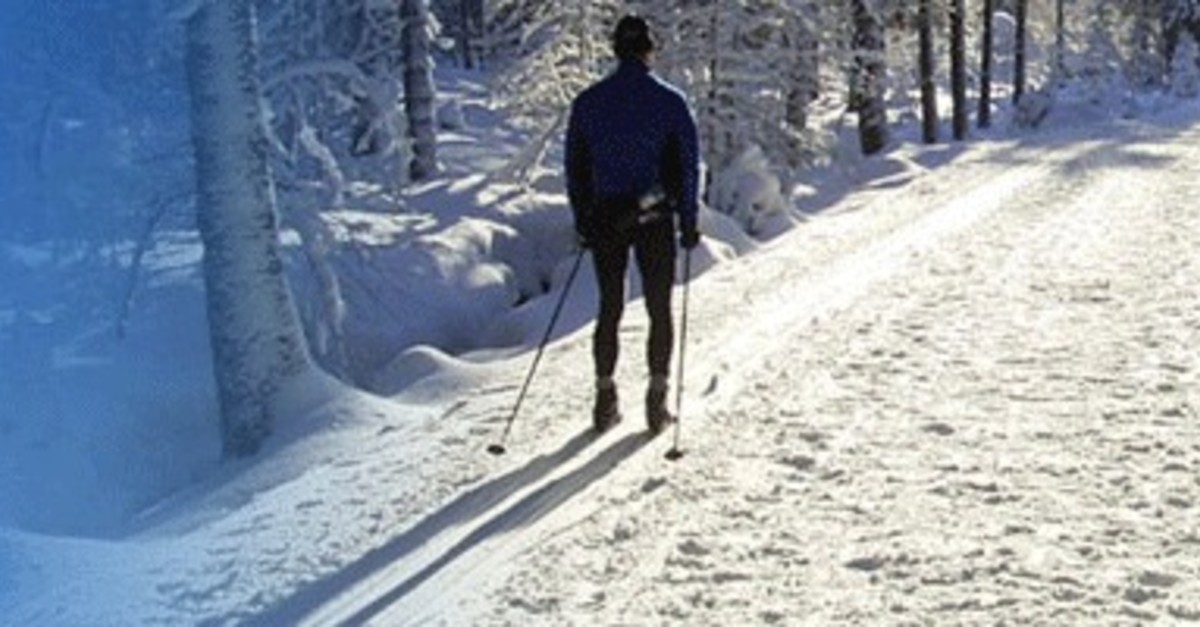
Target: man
{"type": "Point", "coordinates": [632, 165]}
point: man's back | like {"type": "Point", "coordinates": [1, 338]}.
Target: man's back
{"type": "Point", "coordinates": [627, 133]}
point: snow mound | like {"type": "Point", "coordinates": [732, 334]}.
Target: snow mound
{"type": "Point", "coordinates": [426, 372]}
{"type": "Point", "coordinates": [749, 192]}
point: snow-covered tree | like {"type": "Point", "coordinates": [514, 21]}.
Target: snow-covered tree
{"type": "Point", "coordinates": [1060, 39]}
{"type": "Point", "coordinates": [256, 339]}
{"type": "Point", "coordinates": [867, 89]}
{"type": "Point", "coordinates": [462, 21]}
{"type": "Point", "coordinates": [547, 52]}
{"type": "Point", "coordinates": [333, 81]}
{"type": "Point", "coordinates": [418, 88]}
{"type": "Point", "coordinates": [1178, 17]}
{"type": "Point", "coordinates": [1147, 66]}
{"type": "Point", "coordinates": [1020, 49]}
{"type": "Point", "coordinates": [986, 63]}
{"type": "Point", "coordinates": [958, 67]}
{"type": "Point", "coordinates": [802, 33]}
{"type": "Point", "coordinates": [339, 122]}
{"type": "Point", "coordinates": [929, 109]}
{"type": "Point", "coordinates": [1185, 76]}
{"type": "Point", "coordinates": [751, 69]}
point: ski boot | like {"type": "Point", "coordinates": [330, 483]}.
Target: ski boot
{"type": "Point", "coordinates": [606, 413]}
{"type": "Point", "coordinates": [657, 416]}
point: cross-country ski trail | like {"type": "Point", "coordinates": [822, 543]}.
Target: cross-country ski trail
{"type": "Point", "coordinates": [973, 396]}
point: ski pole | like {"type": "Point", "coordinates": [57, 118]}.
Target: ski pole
{"type": "Point", "coordinates": [675, 453]}
{"type": "Point", "coordinates": [498, 448]}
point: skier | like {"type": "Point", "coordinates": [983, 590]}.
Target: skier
{"type": "Point", "coordinates": [632, 166]}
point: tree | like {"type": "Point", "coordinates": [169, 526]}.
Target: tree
{"type": "Point", "coordinates": [256, 339]}
{"type": "Point", "coordinates": [751, 69]}
{"type": "Point", "coordinates": [1185, 80]}
{"type": "Point", "coordinates": [469, 27]}
{"type": "Point", "coordinates": [804, 79]}
{"type": "Point", "coordinates": [869, 71]}
{"type": "Point", "coordinates": [547, 52]}
{"type": "Point", "coordinates": [985, 66]}
{"type": "Point", "coordinates": [929, 109]}
{"type": "Point", "coordinates": [1019, 65]}
{"type": "Point", "coordinates": [1060, 40]}
{"type": "Point", "coordinates": [958, 67]}
{"type": "Point", "coordinates": [1178, 17]}
{"type": "Point", "coordinates": [418, 89]}
{"type": "Point", "coordinates": [332, 84]}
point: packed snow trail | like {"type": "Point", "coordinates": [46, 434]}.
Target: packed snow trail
{"type": "Point", "coordinates": [1001, 429]}
{"type": "Point", "coordinates": [970, 398]}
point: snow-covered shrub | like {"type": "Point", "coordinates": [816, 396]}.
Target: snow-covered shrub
{"type": "Point", "coordinates": [406, 280]}
{"type": "Point", "coordinates": [545, 235]}
{"type": "Point", "coordinates": [450, 116]}
{"type": "Point", "coordinates": [1033, 108]}
{"type": "Point", "coordinates": [749, 192]}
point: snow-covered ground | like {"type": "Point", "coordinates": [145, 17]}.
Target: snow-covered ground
{"type": "Point", "coordinates": [975, 401]}
{"type": "Point", "coordinates": [964, 391]}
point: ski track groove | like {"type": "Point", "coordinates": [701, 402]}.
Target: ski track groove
{"type": "Point", "coordinates": [835, 466]}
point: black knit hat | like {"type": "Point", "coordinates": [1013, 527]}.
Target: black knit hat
{"type": "Point", "coordinates": [631, 39]}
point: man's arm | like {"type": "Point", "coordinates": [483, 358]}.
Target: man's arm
{"type": "Point", "coordinates": [579, 175]}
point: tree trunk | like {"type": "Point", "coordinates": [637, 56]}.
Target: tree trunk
{"type": "Point", "coordinates": [468, 29]}
{"type": "Point", "coordinates": [805, 84]}
{"type": "Point", "coordinates": [929, 108]}
{"type": "Point", "coordinates": [418, 89]}
{"type": "Point", "coordinates": [464, 34]}
{"type": "Point", "coordinates": [719, 141]}
{"type": "Point", "coordinates": [958, 67]}
{"type": "Point", "coordinates": [1019, 50]}
{"type": "Point", "coordinates": [985, 67]}
{"type": "Point", "coordinates": [1171, 29]}
{"type": "Point", "coordinates": [256, 339]}
{"type": "Point", "coordinates": [867, 88]}
{"type": "Point", "coordinates": [1060, 41]}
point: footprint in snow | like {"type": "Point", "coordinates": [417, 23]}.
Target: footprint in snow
{"type": "Point", "coordinates": [802, 463]}
{"type": "Point", "coordinates": [938, 428]}
{"type": "Point", "coordinates": [692, 548]}
{"type": "Point", "coordinates": [1151, 579]}
{"type": "Point", "coordinates": [867, 564]}
{"type": "Point", "coordinates": [652, 484]}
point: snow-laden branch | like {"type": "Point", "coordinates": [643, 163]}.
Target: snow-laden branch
{"type": "Point", "coordinates": [319, 69]}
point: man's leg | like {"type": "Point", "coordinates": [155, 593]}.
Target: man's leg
{"type": "Point", "coordinates": [611, 261]}
{"type": "Point", "coordinates": [656, 263]}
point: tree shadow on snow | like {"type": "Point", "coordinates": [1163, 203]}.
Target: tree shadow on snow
{"type": "Point", "coordinates": [472, 506]}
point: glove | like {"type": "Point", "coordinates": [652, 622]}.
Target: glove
{"type": "Point", "coordinates": [689, 237]}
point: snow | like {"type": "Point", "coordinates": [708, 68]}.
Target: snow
{"type": "Point", "coordinates": [961, 387]}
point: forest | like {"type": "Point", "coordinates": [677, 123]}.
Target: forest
{"type": "Point", "coordinates": [229, 163]}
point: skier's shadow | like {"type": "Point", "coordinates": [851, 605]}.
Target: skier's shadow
{"type": "Point", "coordinates": [464, 510]}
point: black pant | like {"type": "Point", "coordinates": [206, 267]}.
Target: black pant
{"type": "Point", "coordinates": [654, 247]}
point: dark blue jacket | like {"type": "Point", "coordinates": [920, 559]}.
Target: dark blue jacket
{"type": "Point", "coordinates": [626, 134]}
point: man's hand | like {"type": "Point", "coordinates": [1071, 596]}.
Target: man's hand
{"type": "Point", "coordinates": [689, 237]}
